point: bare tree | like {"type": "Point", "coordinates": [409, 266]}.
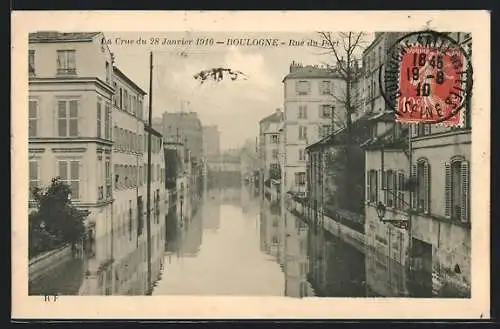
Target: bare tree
{"type": "Point", "coordinates": [347, 163]}
{"type": "Point", "coordinates": [345, 50]}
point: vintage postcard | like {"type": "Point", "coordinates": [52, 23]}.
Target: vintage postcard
{"type": "Point", "coordinates": [250, 165]}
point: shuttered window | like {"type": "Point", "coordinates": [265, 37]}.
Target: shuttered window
{"type": "Point", "coordinates": [457, 190]}
{"type": "Point", "coordinates": [34, 177]}
{"type": "Point", "coordinates": [422, 195]}
{"type": "Point", "coordinates": [33, 118]}
{"type": "Point", "coordinates": [99, 120]}
{"type": "Point", "coordinates": [67, 118]}
{"type": "Point", "coordinates": [400, 190]}
{"type": "Point", "coordinates": [69, 172]}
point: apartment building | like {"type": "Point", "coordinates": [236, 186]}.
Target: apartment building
{"type": "Point", "coordinates": [185, 127]}
{"type": "Point", "coordinates": [271, 152]}
{"type": "Point", "coordinates": [70, 132]}
{"type": "Point", "coordinates": [432, 232]}
{"type": "Point", "coordinates": [158, 202]}
{"type": "Point", "coordinates": [310, 113]}
{"type": "Point", "coordinates": [129, 185]}
{"type": "Point", "coordinates": [211, 140]}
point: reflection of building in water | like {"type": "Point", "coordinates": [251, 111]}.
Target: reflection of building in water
{"type": "Point", "coordinates": [185, 240]}
{"type": "Point", "coordinates": [385, 276]}
{"type": "Point", "coordinates": [249, 202]}
{"type": "Point", "coordinates": [191, 236]}
{"type": "Point", "coordinates": [296, 262]}
{"type": "Point", "coordinates": [231, 195]}
{"type": "Point", "coordinates": [211, 209]}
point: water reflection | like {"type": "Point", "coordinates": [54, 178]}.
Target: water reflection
{"type": "Point", "coordinates": [227, 260]}
{"type": "Point", "coordinates": [240, 244]}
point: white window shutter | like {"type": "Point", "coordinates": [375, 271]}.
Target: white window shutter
{"type": "Point", "coordinates": [427, 187]}
{"type": "Point", "coordinates": [447, 190]}
{"type": "Point", "coordinates": [465, 200]}
{"type": "Point", "coordinates": [413, 178]}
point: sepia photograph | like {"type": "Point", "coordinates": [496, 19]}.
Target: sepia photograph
{"type": "Point", "coordinates": [299, 165]}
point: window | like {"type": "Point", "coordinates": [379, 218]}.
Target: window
{"type": "Point", "coordinates": [274, 139]}
{"type": "Point", "coordinates": [302, 155]}
{"type": "Point", "coordinates": [109, 182]}
{"type": "Point", "coordinates": [302, 111]}
{"type": "Point", "coordinates": [31, 62]}
{"type": "Point", "coordinates": [457, 182]}
{"type": "Point", "coordinates": [300, 178]}
{"type": "Point", "coordinates": [117, 176]}
{"type": "Point", "coordinates": [34, 177]}
{"type": "Point", "coordinates": [325, 88]}
{"type": "Point", "coordinates": [303, 87]}
{"type": "Point", "coordinates": [400, 200]}
{"type": "Point", "coordinates": [121, 98]}
{"type": "Point", "coordinates": [326, 111]}
{"type": "Point", "coordinates": [302, 132]}
{"type": "Point", "coordinates": [372, 186]}
{"type": "Point", "coordinates": [125, 103]}
{"type": "Point", "coordinates": [325, 130]}
{"type": "Point", "coordinates": [67, 116]}
{"type": "Point", "coordinates": [69, 171]}
{"type": "Point", "coordinates": [275, 154]}
{"type": "Point", "coordinates": [107, 122]}
{"type": "Point", "coordinates": [421, 199]}
{"type": "Point", "coordinates": [389, 188]}
{"type": "Point", "coordinates": [115, 95]}
{"type": "Point", "coordinates": [107, 72]}
{"type": "Point", "coordinates": [33, 118]}
{"type": "Point", "coordinates": [423, 129]}
{"type": "Point", "coordinates": [66, 62]}
{"type": "Point", "coordinates": [99, 116]}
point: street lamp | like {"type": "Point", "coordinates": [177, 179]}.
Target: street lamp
{"type": "Point", "coordinates": [381, 209]}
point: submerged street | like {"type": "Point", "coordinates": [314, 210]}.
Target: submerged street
{"type": "Point", "coordinates": [238, 244]}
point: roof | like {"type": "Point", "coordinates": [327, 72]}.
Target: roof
{"type": "Point", "coordinates": [55, 36]}
{"type": "Point", "coordinates": [312, 72]}
{"type": "Point", "coordinates": [387, 139]}
{"type": "Point", "coordinates": [122, 75]}
{"type": "Point", "coordinates": [273, 128]}
{"type": "Point", "coordinates": [153, 131]}
{"type": "Point", "coordinates": [360, 129]}
{"type": "Point", "coordinates": [275, 117]}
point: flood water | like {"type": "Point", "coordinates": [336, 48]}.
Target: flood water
{"type": "Point", "coordinates": [240, 244]}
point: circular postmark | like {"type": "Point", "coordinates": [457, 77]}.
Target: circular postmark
{"type": "Point", "coordinates": [426, 78]}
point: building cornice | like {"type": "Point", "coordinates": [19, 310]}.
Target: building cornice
{"type": "Point", "coordinates": [69, 140]}
{"type": "Point", "coordinates": [72, 80]}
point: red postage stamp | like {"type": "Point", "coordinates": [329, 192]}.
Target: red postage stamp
{"type": "Point", "coordinates": [427, 79]}
{"type": "Point", "coordinates": [431, 85]}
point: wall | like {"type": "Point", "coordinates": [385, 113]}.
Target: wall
{"type": "Point", "coordinates": [451, 241]}
{"type": "Point", "coordinates": [46, 58]}
{"type": "Point", "coordinates": [44, 262]}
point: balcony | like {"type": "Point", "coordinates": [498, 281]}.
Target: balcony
{"type": "Point", "coordinates": [66, 71]}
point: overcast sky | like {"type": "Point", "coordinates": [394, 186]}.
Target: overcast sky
{"type": "Point", "coordinates": [234, 106]}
